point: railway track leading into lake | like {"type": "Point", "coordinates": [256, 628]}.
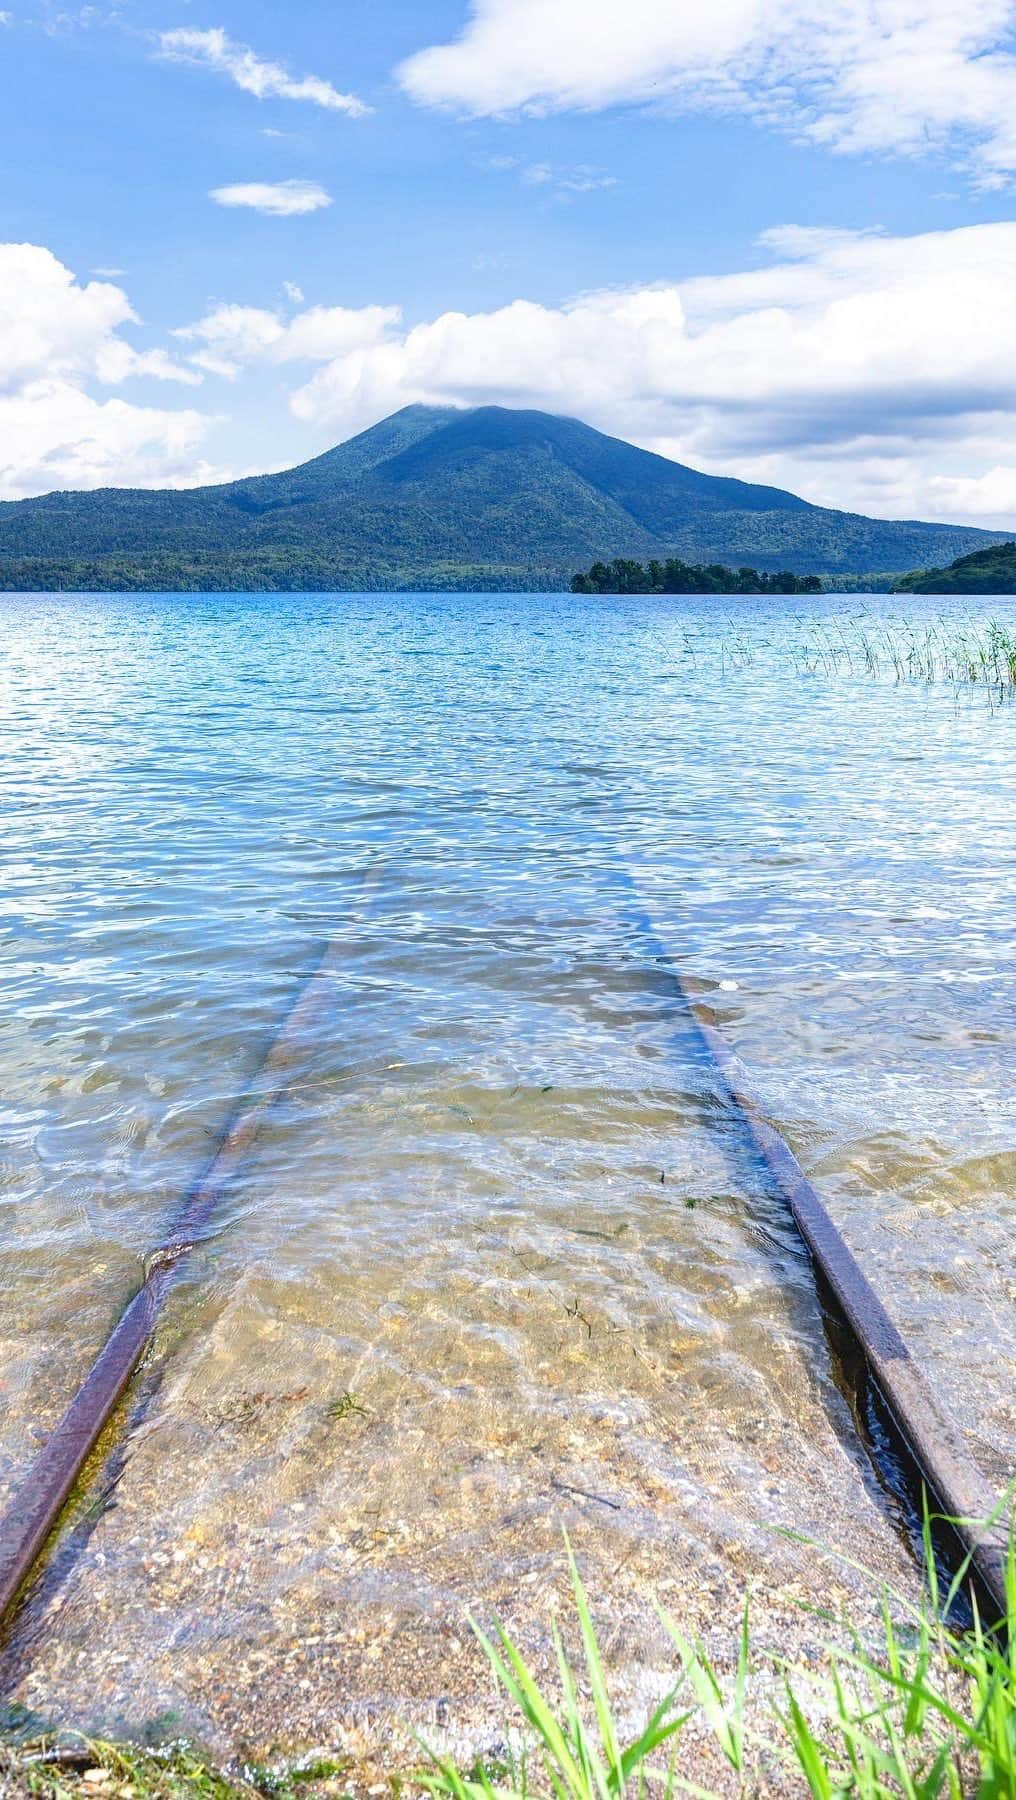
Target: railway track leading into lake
{"type": "Point", "coordinates": [931, 1438]}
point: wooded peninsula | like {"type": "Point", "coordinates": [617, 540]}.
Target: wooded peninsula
{"type": "Point", "coordinates": [673, 576]}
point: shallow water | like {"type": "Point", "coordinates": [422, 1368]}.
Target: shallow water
{"type": "Point", "coordinates": [500, 1260]}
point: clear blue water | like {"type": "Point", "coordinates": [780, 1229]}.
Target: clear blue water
{"type": "Point", "coordinates": [498, 808]}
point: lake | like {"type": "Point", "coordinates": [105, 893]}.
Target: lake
{"type": "Point", "coordinates": [500, 1262]}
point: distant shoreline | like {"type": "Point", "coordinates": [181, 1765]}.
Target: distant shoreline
{"type": "Point", "coordinates": [854, 584]}
{"type": "Point", "coordinates": [437, 500]}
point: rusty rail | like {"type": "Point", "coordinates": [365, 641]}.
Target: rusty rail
{"type": "Point", "coordinates": [931, 1436]}
{"type": "Point", "coordinates": [33, 1512]}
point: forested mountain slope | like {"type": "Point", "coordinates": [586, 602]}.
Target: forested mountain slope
{"type": "Point", "coordinates": [991, 571]}
{"type": "Point", "coordinates": [435, 497]}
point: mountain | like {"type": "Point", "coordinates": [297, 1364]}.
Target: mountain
{"type": "Point", "coordinates": [436, 497]}
{"type": "Point", "coordinates": [991, 571]}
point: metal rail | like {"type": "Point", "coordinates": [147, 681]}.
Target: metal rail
{"type": "Point", "coordinates": [30, 1517]}
{"type": "Point", "coordinates": [932, 1437]}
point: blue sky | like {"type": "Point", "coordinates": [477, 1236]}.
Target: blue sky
{"type": "Point", "coordinates": [774, 239]}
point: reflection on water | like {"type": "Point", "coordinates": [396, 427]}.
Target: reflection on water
{"type": "Point", "coordinates": [500, 1262]}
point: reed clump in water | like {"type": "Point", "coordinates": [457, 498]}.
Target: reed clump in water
{"type": "Point", "coordinates": [936, 651]}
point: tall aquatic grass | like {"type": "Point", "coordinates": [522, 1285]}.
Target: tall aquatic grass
{"type": "Point", "coordinates": [934, 651]}
{"type": "Point", "coordinates": [928, 1713]}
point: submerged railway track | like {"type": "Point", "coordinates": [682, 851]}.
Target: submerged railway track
{"type": "Point", "coordinates": [933, 1447]}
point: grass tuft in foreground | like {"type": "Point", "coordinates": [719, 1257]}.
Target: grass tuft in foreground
{"type": "Point", "coordinates": [928, 1712]}
{"type": "Point", "coordinates": [75, 1767]}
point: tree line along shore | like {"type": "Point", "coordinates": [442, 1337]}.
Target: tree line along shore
{"type": "Point", "coordinates": [672, 576]}
{"type": "Point", "coordinates": [991, 571]}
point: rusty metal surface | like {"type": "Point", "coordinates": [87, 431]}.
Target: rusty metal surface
{"type": "Point", "coordinates": [931, 1435]}
{"type": "Point", "coordinates": [42, 1494]}
{"type": "Point", "coordinates": [935, 1443]}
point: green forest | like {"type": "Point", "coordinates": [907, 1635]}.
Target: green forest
{"type": "Point", "coordinates": [991, 571]}
{"type": "Point", "coordinates": [672, 576]}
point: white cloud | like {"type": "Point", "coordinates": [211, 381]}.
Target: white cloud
{"type": "Point", "coordinates": [582, 178]}
{"type": "Point", "coordinates": [902, 76]}
{"type": "Point", "coordinates": [109, 274]}
{"type": "Point", "coordinates": [989, 497]}
{"type": "Point", "coordinates": [58, 339]}
{"type": "Point", "coordinates": [52, 326]}
{"type": "Point", "coordinates": [6, 18]}
{"type": "Point", "coordinates": [54, 435]}
{"type": "Point", "coordinates": [280, 199]}
{"type": "Point", "coordinates": [265, 80]}
{"type": "Point", "coordinates": [58, 22]}
{"type": "Point", "coordinates": [324, 332]}
{"type": "Point", "coordinates": [231, 338]}
{"type": "Point", "coordinates": [863, 371]}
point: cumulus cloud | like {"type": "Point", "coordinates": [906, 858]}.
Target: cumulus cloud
{"type": "Point", "coordinates": [231, 338]}
{"type": "Point", "coordinates": [52, 326]}
{"type": "Point", "coordinates": [861, 370]}
{"type": "Point", "coordinates": [58, 339]}
{"type": "Point", "coordinates": [54, 435]}
{"type": "Point", "coordinates": [280, 199]}
{"type": "Point", "coordinates": [902, 76]}
{"type": "Point", "coordinates": [265, 80]}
